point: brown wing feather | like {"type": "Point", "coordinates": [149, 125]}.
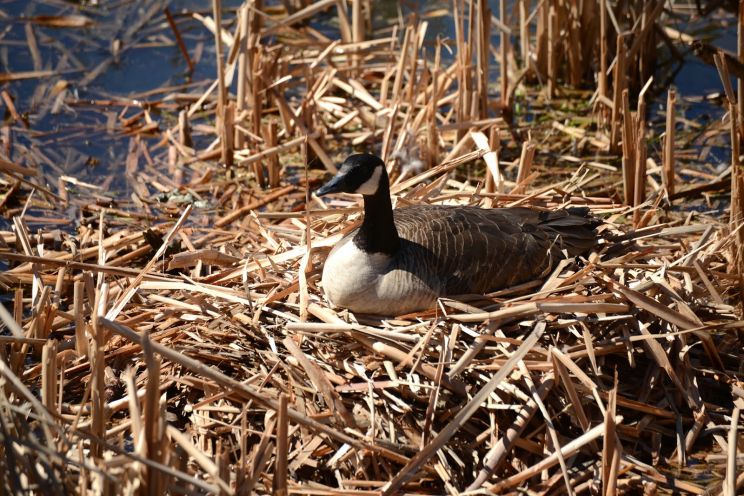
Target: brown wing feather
{"type": "Point", "coordinates": [474, 250]}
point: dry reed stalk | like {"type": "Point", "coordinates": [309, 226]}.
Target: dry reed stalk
{"type": "Point", "coordinates": [13, 322]}
{"type": "Point", "coordinates": [152, 419]}
{"type": "Point", "coordinates": [552, 35]}
{"type": "Point", "coordinates": [574, 49]}
{"type": "Point", "coordinates": [49, 376]}
{"type": "Point", "coordinates": [282, 447]}
{"type": "Point", "coordinates": [98, 364]}
{"type": "Point", "coordinates": [484, 22]}
{"type": "Point", "coordinates": [561, 365]}
{"type": "Point", "coordinates": [740, 54]}
{"type": "Point", "coordinates": [256, 70]}
{"type": "Point", "coordinates": [602, 75]}
{"type": "Point", "coordinates": [490, 157]}
{"type": "Point", "coordinates": [553, 436]}
{"type": "Point", "coordinates": [357, 30]}
{"type": "Point", "coordinates": [228, 136]}
{"type": "Point", "coordinates": [463, 63]}
{"type": "Point", "coordinates": [618, 85]}
{"type": "Point", "coordinates": [343, 21]}
{"type": "Point", "coordinates": [494, 144]}
{"type": "Point", "coordinates": [639, 188]}
{"type": "Point", "coordinates": [299, 16]}
{"type": "Point", "coordinates": [525, 165]}
{"type": "Point", "coordinates": [221, 88]}
{"type": "Point", "coordinates": [737, 213]}
{"type": "Point", "coordinates": [432, 150]}
{"type": "Point", "coordinates": [731, 483]}
{"type": "Point", "coordinates": [243, 68]}
{"type": "Point", "coordinates": [274, 166]}
{"type": "Point", "coordinates": [524, 33]}
{"type": "Point", "coordinates": [413, 76]}
{"type": "Point", "coordinates": [610, 448]}
{"type": "Point", "coordinates": [668, 165]}
{"type": "Point", "coordinates": [735, 132]}
{"type": "Point", "coordinates": [541, 46]}
{"type": "Point", "coordinates": [179, 39]}
{"type": "Point", "coordinates": [402, 61]}
{"type": "Point", "coordinates": [630, 145]}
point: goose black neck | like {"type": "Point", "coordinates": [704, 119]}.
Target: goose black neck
{"type": "Point", "coordinates": [377, 233]}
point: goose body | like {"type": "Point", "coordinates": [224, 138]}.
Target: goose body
{"type": "Point", "coordinates": [399, 261]}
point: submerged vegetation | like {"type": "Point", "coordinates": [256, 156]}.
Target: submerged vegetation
{"type": "Point", "coordinates": [164, 329]}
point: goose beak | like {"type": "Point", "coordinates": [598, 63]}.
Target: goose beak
{"type": "Point", "coordinates": [333, 186]}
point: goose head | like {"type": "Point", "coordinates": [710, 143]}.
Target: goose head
{"type": "Point", "coordinates": [361, 173]}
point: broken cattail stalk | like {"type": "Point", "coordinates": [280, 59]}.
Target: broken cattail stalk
{"type": "Point", "coordinates": [570, 15]}
{"type": "Point", "coordinates": [602, 76]}
{"type": "Point", "coordinates": [98, 364]}
{"type": "Point", "coordinates": [179, 39]}
{"type": "Point", "coordinates": [432, 151]}
{"type": "Point", "coordinates": [611, 449]}
{"type": "Point", "coordinates": [736, 216]}
{"type": "Point", "coordinates": [184, 130]}
{"type": "Point", "coordinates": [152, 419]}
{"type": "Point", "coordinates": [400, 67]}
{"type": "Point", "coordinates": [552, 48]}
{"type": "Point", "coordinates": [618, 85]}
{"type": "Point", "coordinates": [228, 135]}
{"type": "Point", "coordinates": [524, 33]}
{"type": "Point", "coordinates": [343, 21]}
{"type": "Point", "coordinates": [484, 23]}
{"type": "Point", "coordinates": [740, 53]}
{"type": "Point", "coordinates": [639, 188]}
{"type": "Point", "coordinates": [243, 68]}
{"type": "Point", "coordinates": [525, 166]}
{"type": "Point", "coordinates": [221, 89]}
{"type": "Point", "coordinates": [49, 375]}
{"type": "Point", "coordinates": [494, 144]}
{"type": "Point", "coordinates": [39, 316]}
{"type": "Point", "coordinates": [730, 482]}
{"type": "Point", "coordinates": [629, 147]}
{"type": "Point", "coordinates": [668, 165]}
{"type": "Point", "coordinates": [282, 446]}
{"type": "Point", "coordinates": [274, 166]}
{"type": "Point", "coordinates": [306, 263]}
{"type": "Point", "coordinates": [541, 45]}
{"type": "Point", "coordinates": [357, 30]}
{"type": "Point", "coordinates": [462, 62]}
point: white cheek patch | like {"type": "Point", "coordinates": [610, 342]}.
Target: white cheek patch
{"type": "Point", "coordinates": [369, 187]}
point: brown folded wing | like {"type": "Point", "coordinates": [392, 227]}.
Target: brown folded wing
{"type": "Point", "coordinates": [472, 250]}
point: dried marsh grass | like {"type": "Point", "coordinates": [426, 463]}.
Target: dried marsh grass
{"type": "Point", "coordinates": [177, 341]}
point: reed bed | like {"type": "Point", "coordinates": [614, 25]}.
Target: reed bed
{"type": "Point", "coordinates": [175, 339]}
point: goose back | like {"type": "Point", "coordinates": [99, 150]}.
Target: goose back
{"type": "Point", "coordinates": [474, 250]}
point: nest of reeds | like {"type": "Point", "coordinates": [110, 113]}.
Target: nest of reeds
{"type": "Point", "coordinates": [177, 340]}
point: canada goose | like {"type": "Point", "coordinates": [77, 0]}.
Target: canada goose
{"type": "Point", "coordinates": [399, 261]}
